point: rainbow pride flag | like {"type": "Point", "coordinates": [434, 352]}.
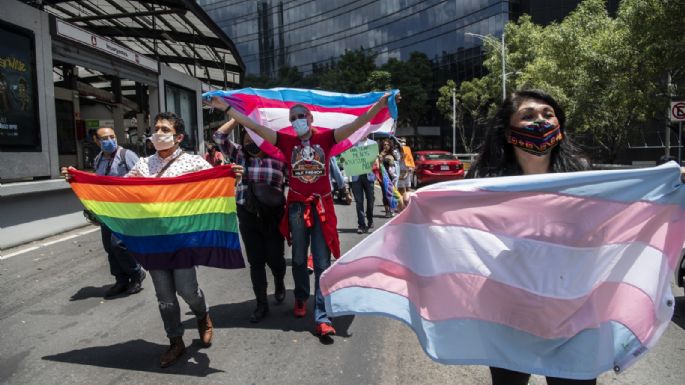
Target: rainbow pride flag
{"type": "Point", "coordinates": [168, 223]}
{"type": "Point", "coordinates": [563, 275]}
{"type": "Point", "coordinates": [270, 108]}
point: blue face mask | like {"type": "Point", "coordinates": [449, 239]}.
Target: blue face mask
{"type": "Point", "coordinates": [301, 127]}
{"type": "Point", "coordinates": [109, 145]}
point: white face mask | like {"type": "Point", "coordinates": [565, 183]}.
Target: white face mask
{"type": "Point", "coordinates": [301, 127]}
{"type": "Point", "coordinates": [162, 141]}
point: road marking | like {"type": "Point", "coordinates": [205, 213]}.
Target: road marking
{"type": "Point", "coordinates": [65, 238]}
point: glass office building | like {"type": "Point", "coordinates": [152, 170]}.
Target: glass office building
{"type": "Point", "coordinates": [304, 34]}
{"type": "Point", "coordinates": [309, 34]}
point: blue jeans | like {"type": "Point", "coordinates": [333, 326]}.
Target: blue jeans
{"type": "Point", "coordinates": [360, 188]}
{"type": "Point", "coordinates": [167, 284]}
{"type": "Point", "coordinates": [301, 237]}
{"type": "Point", "coordinates": [122, 265]}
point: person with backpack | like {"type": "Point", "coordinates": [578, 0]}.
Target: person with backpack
{"type": "Point", "coordinates": [114, 160]}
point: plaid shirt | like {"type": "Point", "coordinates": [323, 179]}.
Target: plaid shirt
{"type": "Point", "coordinates": [266, 169]}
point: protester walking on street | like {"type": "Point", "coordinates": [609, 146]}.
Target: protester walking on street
{"type": "Point", "coordinates": [406, 170]}
{"type": "Point", "coordinates": [260, 203]}
{"type": "Point", "coordinates": [114, 160]}
{"type": "Point", "coordinates": [362, 187]}
{"type": "Point", "coordinates": [170, 161]}
{"type": "Point", "coordinates": [310, 212]}
{"type": "Point", "coordinates": [528, 136]}
{"type": "Point", "coordinates": [386, 159]}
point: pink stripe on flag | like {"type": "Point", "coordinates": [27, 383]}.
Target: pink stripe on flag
{"type": "Point", "coordinates": [457, 296]}
{"type": "Point", "coordinates": [252, 102]}
{"type": "Point", "coordinates": [553, 218]}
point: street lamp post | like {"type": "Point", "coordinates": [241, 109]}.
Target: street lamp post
{"type": "Point", "coordinates": [503, 49]}
{"type": "Point", "coordinates": [454, 120]}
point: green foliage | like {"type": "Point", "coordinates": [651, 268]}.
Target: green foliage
{"type": "Point", "coordinates": [411, 77]}
{"type": "Point", "coordinates": [473, 103]}
{"type": "Point", "coordinates": [379, 81]}
{"type": "Point", "coordinates": [350, 72]}
{"type": "Point", "coordinates": [608, 73]}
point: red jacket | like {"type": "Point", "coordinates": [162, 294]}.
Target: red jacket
{"type": "Point", "coordinates": [326, 210]}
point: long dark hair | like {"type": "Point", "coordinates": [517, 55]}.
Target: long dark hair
{"type": "Point", "coordinates": [496, 156]}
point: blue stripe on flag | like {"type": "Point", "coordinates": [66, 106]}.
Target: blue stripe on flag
{"type": "Point", "coordinates": [320, 98]}
{"type": "Point", "coordinates": [476, 342]}
{"type": "Point", "coordinates": [615, 185]}
{"type": "Point", "coordinates": [171, 243]}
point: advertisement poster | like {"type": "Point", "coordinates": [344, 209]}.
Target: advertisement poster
{"type": "Point", "coordinates": [19, 129]}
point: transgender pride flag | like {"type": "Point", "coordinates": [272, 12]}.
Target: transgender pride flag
{"type": "Point", "coordinates": [270, 107]}
{"type": "Point", "coordinates": [564, 275]}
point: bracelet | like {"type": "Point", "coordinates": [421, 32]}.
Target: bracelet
{"type": "Point", "coordinates": [227, 109]}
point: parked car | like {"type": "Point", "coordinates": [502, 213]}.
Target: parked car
{"type": "Point", "coordinates": [466, 159]}
{"type": "Point", "coordinates": [436, 166]}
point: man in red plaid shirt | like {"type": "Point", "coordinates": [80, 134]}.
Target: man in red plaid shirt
{"type": "Point", "coordinates": [258, 222]}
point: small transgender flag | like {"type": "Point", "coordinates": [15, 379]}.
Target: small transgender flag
{"type": "Point", "coordinates": [564, 275]}
{"type": "Point", "coordinates": [270, 108]}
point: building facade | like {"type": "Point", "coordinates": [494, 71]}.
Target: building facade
{"type": "Point", "coordinates": [309, 35]}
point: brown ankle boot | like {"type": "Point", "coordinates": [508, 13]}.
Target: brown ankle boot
{"type": "Point", "coordinates": [173, 353]}
{"type": "Point", "coordinates": [204, 327]}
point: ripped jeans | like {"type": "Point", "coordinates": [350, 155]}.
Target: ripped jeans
{"type": "Point", "coordinates": [184, 282]}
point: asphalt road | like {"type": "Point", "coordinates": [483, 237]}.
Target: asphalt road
{"type": "Point", "coordinates": [55, 328]}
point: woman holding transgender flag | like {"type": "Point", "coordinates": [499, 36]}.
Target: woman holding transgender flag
{"type": "Point", "coordinates": [310, 213]}
{"type": "Point", "coordinates": [527, 137]}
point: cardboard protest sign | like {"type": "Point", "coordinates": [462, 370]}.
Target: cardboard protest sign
{"type": "Point", "coordinates": [359, 160]}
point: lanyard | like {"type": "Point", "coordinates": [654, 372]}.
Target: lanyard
{"type": "Point", "coordinates": [109, 163]}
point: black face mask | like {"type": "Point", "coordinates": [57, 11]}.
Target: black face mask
{"type": "Point", "coordinates": [251, 148]}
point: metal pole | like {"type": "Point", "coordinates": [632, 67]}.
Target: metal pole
{"type": "Point", "coordinates": [504, 72]}
{"type": "Point", "coordinates": [680, 143]}
{"type": "Point", "coordinates": [668, 117]}
{"type": "Point", "coordinates": [454, 120]}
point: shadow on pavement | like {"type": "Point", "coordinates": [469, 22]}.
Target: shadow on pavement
{"type": "Point", "coordinates": [89, 292]}
{"type": "Point", "coordinates": [138, 355]}
{"type": "Point", "coordinates": [236, 315]}
{"type": "Point", "coordinates": [679, 312]}
{"type": "Point", "coordinates": [347, 231]}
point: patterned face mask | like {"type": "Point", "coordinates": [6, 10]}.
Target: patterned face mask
{"type": "Point", "coordinates": [538, 138]}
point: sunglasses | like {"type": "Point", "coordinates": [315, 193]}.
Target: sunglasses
{"type": "Point", "coordinates": [298, 116]}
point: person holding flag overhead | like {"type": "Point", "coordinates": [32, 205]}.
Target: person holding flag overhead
{"type": "Point", "coordinates": [310, 213]}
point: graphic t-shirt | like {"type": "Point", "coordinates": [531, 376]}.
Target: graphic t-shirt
{"type": "Point", "coordinates": [308, 161]}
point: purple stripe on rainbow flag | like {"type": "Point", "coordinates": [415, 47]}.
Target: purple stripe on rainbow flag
{"type": "Point", "coordinates": [197, 256]}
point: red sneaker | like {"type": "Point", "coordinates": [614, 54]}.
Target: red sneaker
{"type": "Point", "coordinates": [324, 329]}
{"type": "Point", "coordinates": [300, 308]}
{"type": "Point", "coordinates": [310, 264]}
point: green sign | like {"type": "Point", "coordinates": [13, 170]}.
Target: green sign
{"type": "Point", "coordinates": [92, 124]}
{"type": "Point", "coordinates": [359, 160]}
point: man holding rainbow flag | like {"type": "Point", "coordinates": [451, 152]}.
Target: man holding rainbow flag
{"type": "Point", "coordinates": [174, 212]}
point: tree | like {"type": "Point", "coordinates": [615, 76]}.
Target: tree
{"type": "Point", "coordinates": [606, 72]}
{"type": "Point", "coordinates": [411, 78]}
{"type": "Point", "coordinates": [350, 72]}
{"type": "Point", "coordinates": [379, 81]}
{"type": "Point", "coordinates": [473, 103]}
